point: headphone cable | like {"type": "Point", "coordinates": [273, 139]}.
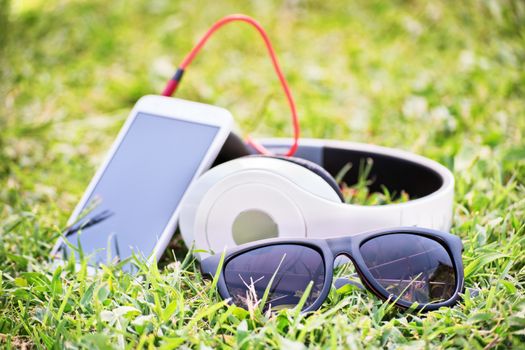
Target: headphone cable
{"type": "Point", "coordinates": [174, 82]}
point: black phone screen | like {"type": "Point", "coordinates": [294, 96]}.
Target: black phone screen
{"type": "Point", "coordinates": [140, 188]}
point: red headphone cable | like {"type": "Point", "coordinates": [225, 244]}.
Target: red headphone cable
{"type": "Point", "coordinates": [173, 83]}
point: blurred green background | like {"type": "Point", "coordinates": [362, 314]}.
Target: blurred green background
{"type": "Point", "coordinates": [444, 79]}
{"type": "Point", "coordinates": [433, 78]}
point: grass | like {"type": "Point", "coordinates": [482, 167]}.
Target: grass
{"type": "Point", "coordinates": [442, 79]}
{"type": "Point", "coordinates": [360, 192]}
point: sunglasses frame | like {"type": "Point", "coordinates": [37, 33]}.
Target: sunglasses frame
{"type": "Point", "coordinates": [349, 246]}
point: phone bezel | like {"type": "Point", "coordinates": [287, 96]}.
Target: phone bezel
{"type": "Point", "coordinates": [170, 108]}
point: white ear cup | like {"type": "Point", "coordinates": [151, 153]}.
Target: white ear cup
{"type": "Point", "coordinates": [258, 184]}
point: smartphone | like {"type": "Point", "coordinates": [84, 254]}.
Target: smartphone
{"type": "Point", "coordinates": [132, 203]}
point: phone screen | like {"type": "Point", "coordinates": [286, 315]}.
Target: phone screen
{"type": "Point", "coordinates": [141, 187]}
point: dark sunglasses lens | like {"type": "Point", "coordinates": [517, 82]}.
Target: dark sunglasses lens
{"type": "Point", "coordinates": [291, 266]}
{"type": "Point", "coordinates": [412, 267]}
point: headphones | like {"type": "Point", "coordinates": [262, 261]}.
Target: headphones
{"type": "Point", "coordinates": [257, 197]}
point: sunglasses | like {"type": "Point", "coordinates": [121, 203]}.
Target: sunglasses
{"type": "Point", "coordinates": [412, 267]}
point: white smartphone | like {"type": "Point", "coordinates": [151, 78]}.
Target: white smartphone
{"type": "Point", "coordinates": [132, 202]}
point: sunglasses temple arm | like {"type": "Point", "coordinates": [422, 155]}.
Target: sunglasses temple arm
{"type": "Point", "coordinates": [473, 292]}
{"type": "Point", "coordinates": [341, 282]}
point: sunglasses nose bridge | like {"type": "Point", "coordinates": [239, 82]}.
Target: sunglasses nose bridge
{"type": "Point", "coordinates": [340, 246]}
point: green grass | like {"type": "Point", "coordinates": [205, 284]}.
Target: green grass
{"type": "Point", "coordinates": [442, 79]}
